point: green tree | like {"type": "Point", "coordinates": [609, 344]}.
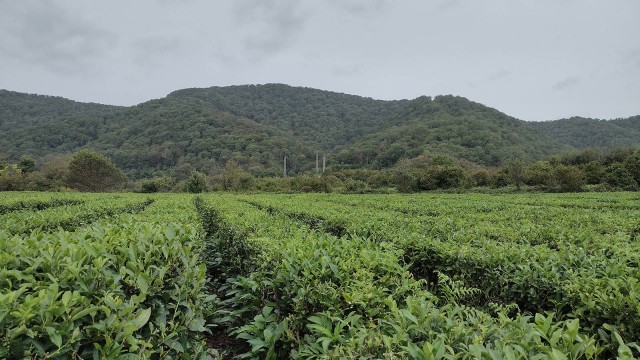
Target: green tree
{"type": "Point", "coordinates": [26, 164]}
{"type": "Point", "coordinates": [443, 177]}
{"type": "Point", "coordinates": [11, 178]}
{"type": "Point", "coordinates": [481, 177]}
{"type": "Point", "coordinates": [197, 183]}
{"type": "Point", "coordinates": [515, 169]}
{"type": "Point", "coordinates": [55, 171]}
{"type": "Point", "coordinates": [90, 171]}
{"type": "Point", "coordinates": [502, 178]}
{"type": "Point", "coordinates": [620, 178]}
{"type": "Point", "coordinates": [540, 174]}
{"type": "Point", "coordinates": [235, 178]}
{"type": "Point", "coordinates": [617, 155]}
{"type": "Point", "coordinates": [594, 172]}
{"type": "Point", "coordinates": [569, 178]}
{"type": "Point", "coordinates": [405, 181]}
{"type": "Point", "coordinates": [632, 164]}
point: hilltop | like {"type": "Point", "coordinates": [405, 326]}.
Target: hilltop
{"type": "Point", "coordinates": [257, 125]}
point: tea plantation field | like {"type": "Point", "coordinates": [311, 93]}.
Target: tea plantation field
{"type": "Point", "coordinates": [319, 276]}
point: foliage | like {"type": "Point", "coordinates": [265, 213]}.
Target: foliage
{"type": "Point", "coordinates": [239, 134]}
{"type": "Point", "coordinates": [234, 178]}
{"type": "Point", "coordinates": [619, 177]}
{"type": "Point", "coordinates": [157, 184]}
{"type": "Point", "coordinates": [90, 171]}
{"type": "Point", "coordinates": [256, 126]}
{"type": "Point", "coordinates": [540, 173]}
{"type": "Point", "coordinates": [584, 133]}
{"type": "Point", "coordinates": [125, 287]}
{"type": "Point", "coordinates": [569, 178]}
{"type": "Point", "coordinates": [71, 215]}
{"type": "Point", "coordinates": [449, 125]}
{"type": "Point", "coordinates": [309, 183]}
{"type": "Point", "coordinates": [632, 164]}
{"type": "Point", "coordinates": [442, 177]}
{"type": "Point", "coordinates": [34, 203]}
{"type": "Point", "coordinates": [534, 251]}
{"type": "Point", "coordinates": [320, 275]}
{"type": "Point", "coordinates": [594, 172]}
{"type": "Point", "coordinates": [11, 178]}
{"type": "Point", "coordinates": [197, 183]}
{"type": "Point", "coordinates": [324, 119]}
{"type": "Point", "coordinates": [308, 292]}
{"type": "Point", "coordinates": [26, 164]}
{"type": "Point", "coordinates": [515, 168]}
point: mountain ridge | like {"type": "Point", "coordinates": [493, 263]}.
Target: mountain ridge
{"type": "Point", "coordinates": [257, 125]}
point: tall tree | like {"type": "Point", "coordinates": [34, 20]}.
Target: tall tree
{"type": "Point", "coordinates": [90, 171]}
{"type": "Point", "coordinates": [26, 164]}
{"type": "Point", "coordinates": [197, 183]}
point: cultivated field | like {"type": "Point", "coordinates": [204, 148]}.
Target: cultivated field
{"type": "Point", "coordinates": [429, 276]}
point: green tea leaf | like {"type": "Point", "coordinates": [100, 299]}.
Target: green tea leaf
{"type": "Point", "coordinates": [54, 336]}
{"type": "Point", "coordinates": [142, 318]}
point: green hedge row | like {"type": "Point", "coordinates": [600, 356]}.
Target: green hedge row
{"type": "Point", "coordinates": [300, 293]}
{"type": "Point", "coordinates": [129, 287]}
{"type": "Point", "coordinates": [603, 293]}
{"type": "Point", "coordinates": [69, 217]}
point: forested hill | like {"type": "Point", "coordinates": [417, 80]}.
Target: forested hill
{"type": "Point", "coordinates": [257, 125]}
{"type": "Point", "coordinates": [158, 137]}
{"type": "Point", "coordinates": [583, 133]}
{"type": "Point", "coordinates": [455, 126]}
{"type": "Point", "coordinates": [324, 118]}
{"type": "Point", "coordinates": [22, 110]}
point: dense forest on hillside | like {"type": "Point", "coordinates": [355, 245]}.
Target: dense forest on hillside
{"type": "Point", "coordinates": [38, 125]}
{"type": "Point", "coordinates": [255, 126]}
{"type": "Point", "coordinates": [454, 126]}
{"type": "Point", "coordinates": [323, 118]}
{"type": "Point", "coordinates": [19, 110]}
{"type": "Point", "coordinates": [162, 135]}
{"type": "Point", "coordinates": [583, 133]}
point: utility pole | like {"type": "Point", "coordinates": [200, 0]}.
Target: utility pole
{"type": "Point", "coordinates": [324, 162]}
{"type": "Point", "coordinates": [285, 166]}
{"type": "Point", "coordinates": [317, 165]}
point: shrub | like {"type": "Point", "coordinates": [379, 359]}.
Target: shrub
{"type": "Point", "coordinates": [197, 183]}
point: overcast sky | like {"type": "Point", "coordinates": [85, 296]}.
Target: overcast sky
{"type": "Point", "coordinates": [532, 59]}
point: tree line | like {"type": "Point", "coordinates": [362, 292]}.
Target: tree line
{"type": "Point", "coordinates": [584, 170]}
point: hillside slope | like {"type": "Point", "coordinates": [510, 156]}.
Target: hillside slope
{"type": "Point", "coordinates": [160, 135]}
{"type": "Point", "coordinates": [19, 110]}
{"type": "Point", "coordinates": [257, 125]}
{"type": "Point", "coordinates": [455, 126]}
{"type": "Point", "coordinates": [153, 138]}
{"type": "Point", "coordinates": [324, 118]}
{"type": "Point", "coordinates": [582, 132]}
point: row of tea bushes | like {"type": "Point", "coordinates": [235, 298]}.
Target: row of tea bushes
{"type": "Point", "coordinates": [600, 292]}
{"type": "Point", "coordinates": [69, 217]}
{"type": "Point", "coordinates": [300, 293]}
{"type": "Point", "coordinates": [132, 286]}
{"type": "Point", "coordinates": [34, 203]}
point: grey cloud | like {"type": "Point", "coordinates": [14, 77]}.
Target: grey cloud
{"type": "Point", "coordinates": [360, 7]}
{"type": "Point", "coordinates": [271, 24]}
{"type": "Point", "coordinates": [566, 83]}
{"type": "Point", "coordinates": [499, 75]}
{"type": "Point", "coordinates": [447, 5]}
{"type": "Point", "coordinates": [43, 34]}
{"type": "Point", "coordinates": [152, 49]}
{"type": "Point", "coordinates": [172, 2]}
{"type": "Point", "coordinates": [634, 58]}
{"type": "Point", "coordinates": [346, 71]}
